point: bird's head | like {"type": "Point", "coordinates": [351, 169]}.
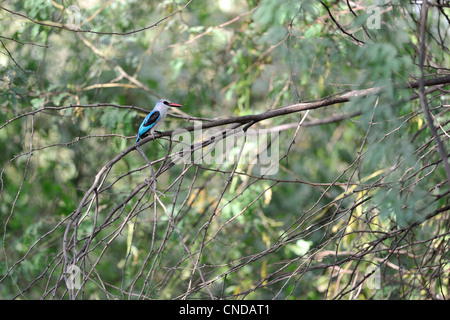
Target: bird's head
{"type": "Point", "coordinates": [167, 103]}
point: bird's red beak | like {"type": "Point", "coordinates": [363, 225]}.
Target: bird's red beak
{"type": "Point", "coordinates": [175, 105]}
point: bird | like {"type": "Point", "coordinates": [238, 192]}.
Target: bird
{"type": "Point", "coordinates": [155, 118]}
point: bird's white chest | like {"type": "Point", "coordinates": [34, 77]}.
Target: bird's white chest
{"type": "Point", "coordinates": [162, 114]}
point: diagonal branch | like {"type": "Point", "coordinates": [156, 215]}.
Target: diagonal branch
{"type": "Point", "coordinates": [339, 26]}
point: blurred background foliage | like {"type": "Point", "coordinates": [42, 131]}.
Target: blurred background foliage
{"type": "Point", "coordinates": [372, 179]}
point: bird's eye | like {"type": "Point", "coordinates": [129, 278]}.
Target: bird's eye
{"type": "Point", "coordinates": [166, 102]}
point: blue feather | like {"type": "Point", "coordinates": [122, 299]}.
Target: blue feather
{"type": "Point", "coordinates": [149, 122]}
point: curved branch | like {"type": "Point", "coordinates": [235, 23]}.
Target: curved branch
{"type": "Point", "coordinates": [65, 27]}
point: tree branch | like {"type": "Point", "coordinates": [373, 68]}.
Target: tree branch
{"type": "Point", "coordinates": [65, 27]}
{"type": "Point", "coordinates": [422, 96]}
{"type": "Point", "coordinates": [299, 107]}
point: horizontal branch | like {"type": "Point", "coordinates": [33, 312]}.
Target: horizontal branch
{"type": "Point", "coordinates": [299, 107]}
{"type": "Point", "coordinates": [66, 27]}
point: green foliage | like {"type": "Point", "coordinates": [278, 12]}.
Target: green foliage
{"type": "Point", "coordinates": [348, 195]}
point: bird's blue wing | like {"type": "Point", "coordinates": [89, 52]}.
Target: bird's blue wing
{"type": "Point", "coordinates": [148, 123]}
